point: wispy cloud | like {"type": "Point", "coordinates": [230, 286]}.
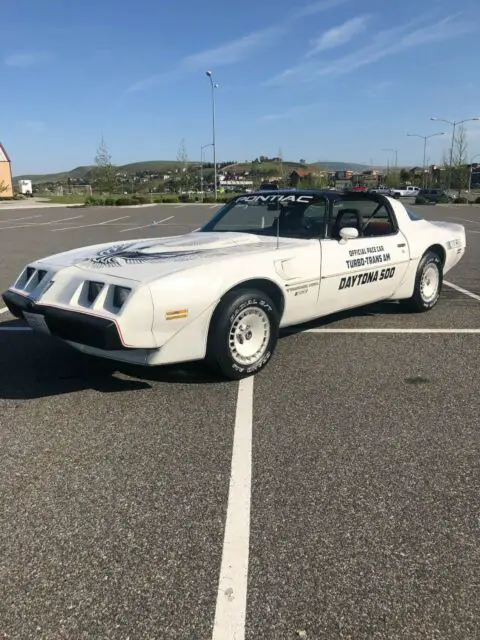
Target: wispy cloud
{"type": "Point", "coordinates": [386, 43]}
{"type": "Point", "coordinates": [378, 89]}
{"type": "Point", "coordinates": [292, 112]}
{"type": "Point", "coordinates": [225, 54]}
{"type": "Point", "coordinates": [28, 59]}
{"type": "Point", "coordinates": [37, 126]}
{"type": "Point", "coordinates": [338, 35]}
{"type": "Point", "coordinates": [318, 7]}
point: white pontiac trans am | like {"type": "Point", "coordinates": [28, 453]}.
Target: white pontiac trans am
{"type": "Point", "coordinates": [265, 261]}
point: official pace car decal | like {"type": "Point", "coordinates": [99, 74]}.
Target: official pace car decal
{"type": "Point", "coordinates": [131, 253]}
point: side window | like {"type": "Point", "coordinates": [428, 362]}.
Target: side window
{"type": "Point", "coordinates": [304, 221]}
{"type": "Point", "coordinates": [315, 217]}
{"type": "Point", "coordinates": [369, 217]}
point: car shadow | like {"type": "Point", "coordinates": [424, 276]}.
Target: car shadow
{"type": "Point", "coordinates": [368, 311]}
{"type": "Point", "coordinates": [32, 366]}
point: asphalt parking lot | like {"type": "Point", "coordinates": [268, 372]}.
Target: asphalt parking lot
{"type": "Point", "coordinates": [353, 511]}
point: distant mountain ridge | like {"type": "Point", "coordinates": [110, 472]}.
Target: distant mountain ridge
{"type": "Point", "coordinates": [162, 166]}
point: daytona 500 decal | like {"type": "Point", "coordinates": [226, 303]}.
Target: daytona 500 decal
{"type": "Point", "coordinates": [366, 278]}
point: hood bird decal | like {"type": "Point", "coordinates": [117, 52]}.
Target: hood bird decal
{"type": "Point", "coordinates": [114, 256]}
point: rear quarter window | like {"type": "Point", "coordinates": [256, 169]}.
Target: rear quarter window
{"type": "Point", "coordinates": [413, 216]}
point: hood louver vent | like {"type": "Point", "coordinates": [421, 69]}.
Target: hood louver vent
{"type": "Point", "coordinates": [93, 291]}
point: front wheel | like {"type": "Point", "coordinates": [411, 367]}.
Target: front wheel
{"type": "Point", "coordinates": [428, 283]}
{"type": "Point", "coordinates": [243, 334]}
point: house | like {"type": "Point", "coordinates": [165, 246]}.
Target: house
{"type": "Point", "coordinates": [6, 181]}
{"type": "Point", "coordinates": [299, 175]}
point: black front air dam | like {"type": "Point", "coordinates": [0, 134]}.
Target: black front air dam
{"type": "Point", "coordinates": [73, 326]}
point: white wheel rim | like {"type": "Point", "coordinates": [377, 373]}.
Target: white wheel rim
{"type": "Point", "coordinates": [430, 282]}
{"type": "Point", "coordinates": [249, 336]}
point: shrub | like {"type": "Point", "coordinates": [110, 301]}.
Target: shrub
{"type": "Point", "coordinates": [109, 202]}
{"type": "Point", "coordinates": [444, 199]}
{"type": "Point", "coordinates": [461, 200]}
{"type": "Point", "coordinates": [124, 202]}
{"type": "Point", "coordinates": [477, 200]}
{"type": "Point", "coordinates": [170, 199]}
{"type": "Point", "coordinates": [94, 201]}
{"type": "Point", "coordinates": [420, 200]}
{"type": "Point", "coordinates": [141, 199]}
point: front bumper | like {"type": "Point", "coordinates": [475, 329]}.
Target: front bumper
{"type": "Point", "coordinates": [72, 326]}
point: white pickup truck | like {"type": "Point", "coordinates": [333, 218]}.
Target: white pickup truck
{"type": "Point", "coordinates": [405, 193]}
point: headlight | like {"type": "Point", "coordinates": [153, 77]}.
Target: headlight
{"type": "Point", "coordinates": [120, 295]}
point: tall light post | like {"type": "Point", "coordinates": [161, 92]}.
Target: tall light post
{"type": "Point", "coordinates": [471, 171]}
{"type": "Point", "coordinates": [214, 86]}
{"type": "Point", "coordinates": [425, 138]}
{"type": "Point", "coordinates": [395, 151]}
{"type": "Point", "coordinates": [454, 125]}
{"type": "Point", "coordinates": [201, 165]}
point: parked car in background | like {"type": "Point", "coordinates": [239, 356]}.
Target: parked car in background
{"type": "Point", "coordinates": [436, 195]}
{"type": "Point", "coordinates": [380, 189]}
{"type": "Point", "coordinates": [405, 192]}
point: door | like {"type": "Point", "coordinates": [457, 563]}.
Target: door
{"type": "Point", "coordinates": [365, 269]}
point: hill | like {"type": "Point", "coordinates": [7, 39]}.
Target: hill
{"type": "Point", "coordinates": [340, 166]}
{"type": "Point", "coordinates": [162, 166]}
{"type": "Point", "coordinates": [83, 173]}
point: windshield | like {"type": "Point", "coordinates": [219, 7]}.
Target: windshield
{"type": "Point", "coordinates": [289, 215]}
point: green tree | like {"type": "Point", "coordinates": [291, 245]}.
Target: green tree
{"type": "Point", "coordinates": [185, 180]}
{"type": "Point", "coordinates": [105, 173]}
{"type": "Point", "coordinates": [459, 179]}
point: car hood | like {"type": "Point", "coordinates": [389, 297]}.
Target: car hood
{"type": "Point", "coordinates": [152, 258]}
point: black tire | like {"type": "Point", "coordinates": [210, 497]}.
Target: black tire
{"type": "Point", "coordinates": [420, 301]}
{"type": "Point", "coordinates": [221, 346]}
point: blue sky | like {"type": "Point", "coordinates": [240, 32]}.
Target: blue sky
{"type": "Point", "coordinates": [319, 79]}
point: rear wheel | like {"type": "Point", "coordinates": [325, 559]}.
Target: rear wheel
{"type": "Point", "coordinates": [243, 334]}
{"type": "Point", "coordinates": [428, 283]}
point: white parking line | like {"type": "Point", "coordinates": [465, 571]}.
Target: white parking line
{"type": "Point", "coordinates": [465, 220]}
{"type": "Point", "coordinates": [151, 224]}
{"type": "Point", "coordinates": [3, 310]}
{"type": "Point", "coordinates": [29, 225]}
{"type": "Point", "coordinates": [231, 604]}
{"type": "Point", "coordinates": [464, 291]}
{"type": "Point", "coordinates": [389, 330]}
{"type": "Point", "coordinates": [20, 219]}
{"type": "Point", "coordinates": [95, 224]}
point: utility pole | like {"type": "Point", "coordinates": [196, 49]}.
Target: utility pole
{"type": "Point", "coordinates": [454, 124]}
{"type": "Point", "coordinates": [425, 138]}
{"type": "Point", "coordinates": [213, 87]}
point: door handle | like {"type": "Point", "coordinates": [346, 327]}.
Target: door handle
{"type": "Point", "coordinates": [403, 244]}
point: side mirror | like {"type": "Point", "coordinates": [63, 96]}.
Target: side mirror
{"type": "Point", "coordinates": [348, 233]}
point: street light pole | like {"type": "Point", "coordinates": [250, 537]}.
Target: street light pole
{"type": "Point", "coordinates": [454, 124]}
{"type": "Point", "coordinates": [395, 151]}
{"type": "Point", "coordinates": [201, 165]}
{"type": "Point", "coordinates": [471, 171]}
{"type": "Point", "coordinates": [213, 87]}
{"type": "Point", "coordinates": [425, 138]}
